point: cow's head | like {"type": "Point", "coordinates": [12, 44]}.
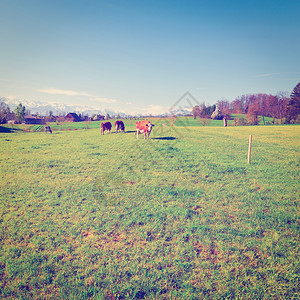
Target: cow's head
{"type": "Point", "coordinates": [149, 125]}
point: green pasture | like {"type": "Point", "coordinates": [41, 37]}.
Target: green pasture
{"type": "Point", "coordinates": [129, 123]}
{"type": "Point", "coordinates": [63, 126]}
{"type": "Point", "coordinates": [180, 216]}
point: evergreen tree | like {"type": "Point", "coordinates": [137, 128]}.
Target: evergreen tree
{"type": "Point", "coordinates": [293, 105]}
{"type": "Point", "coordinates": [217, 114]}
{"type": "Point", "coordinates": [20, 113]}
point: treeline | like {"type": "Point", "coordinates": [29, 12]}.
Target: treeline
{"type": "Point", "coordinates": [6, 114]}
{"type": "Point", "coordinates": [281, 108]}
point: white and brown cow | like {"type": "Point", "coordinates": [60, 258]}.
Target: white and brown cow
{"type": "Point", "coordinates": [47, 129]}
{"type": "Point", "coordinates": [119, 125]}
{"type": "Point", "coordinates": [143, 127]}
{"type": "Point", "coordinates": [105, 126]}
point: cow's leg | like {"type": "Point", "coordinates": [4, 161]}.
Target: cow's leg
{"type": "Point", "coordinates": [137, 134]}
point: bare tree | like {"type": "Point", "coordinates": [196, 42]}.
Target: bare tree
{"type": "Point", "coordinates": [4, 112]}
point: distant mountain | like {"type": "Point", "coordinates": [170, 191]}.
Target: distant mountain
{"type": "Point", "coordinates": [57, 108]}
{"type": "Point", "coordinates": [180, 112]}
{"type": "Point", "coordinates": [41, 108]}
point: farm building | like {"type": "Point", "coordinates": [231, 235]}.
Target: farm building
{"type": "Point", "coordinates": [72, 117]}
{"type": "Point", "coordinates": [98, 118]}
{"type": "Point", "coordinates": [29, 119]}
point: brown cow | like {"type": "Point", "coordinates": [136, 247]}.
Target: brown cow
{"type": "Point", "coordinates": [143, 127]}
{"type": "Point", "coordinates": [119, 125]}
{"type": "Point", "coordinates": [105, 126]}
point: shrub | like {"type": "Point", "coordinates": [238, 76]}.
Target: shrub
{"type": "Point", "coordinates": [240, 122]}
{"type": "Point", "coordinates": [252, 119]}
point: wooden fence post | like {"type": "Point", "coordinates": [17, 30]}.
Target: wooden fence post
{"type": "Point", "coordinates": [249, 150]}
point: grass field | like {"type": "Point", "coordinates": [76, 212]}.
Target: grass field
{"type": "Point", "coordinates": [181, 216]}
{"type": "Point", "coordinates": [130, 124]}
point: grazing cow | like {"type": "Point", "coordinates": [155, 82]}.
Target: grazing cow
{"type": "Point", "coordinates": [105, 126]}
{"type": "Point", "coordinates": [143, 127]}
{"type": "Point", "coordinates": [119, 125]}
{"type": "Point", "coordinates": [48, 129]}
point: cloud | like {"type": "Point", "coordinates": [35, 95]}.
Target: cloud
{"type": "Point", "coordinates": [64, 92]}
{"type": "Point", "coordinates": [274, 74]}
{"type": "Point", "coordinates": [93, 98]}
{"type": "Point", "coordinates": [266, 75]}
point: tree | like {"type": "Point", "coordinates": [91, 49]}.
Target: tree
{"type": "Point", "coordinates": [20, 113]}
{"type": "Point", "coordinates": [252, 114]}
{"type": "Point", "coordinates": [217, 114]}
{"type": "Point", "coordinates": [237, 106]}
{"type": "Point", "coordinates": [196, 111]}
{"type": "Point", "coordinates": [224, 106]}
{"type": "Point", "coordinates": [272, 107]}
{"type": "Point", "coordinates": [4, 112]}
{"type": "Point", "coordinates": [293, 105]}
{"type": "Point", "coordinates": [282, 101]}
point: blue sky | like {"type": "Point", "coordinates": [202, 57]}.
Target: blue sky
{"type": "Point", "coordinates": [142, 56]}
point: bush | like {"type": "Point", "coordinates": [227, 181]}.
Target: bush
{"type": "Point", "coordinates": [297, 121]}
{"type": "Point", "coordinates": [281, 121]}
{"type": "Point", "coordinates": [240, 122]}
{"type": "Point", "coordinates": [252, 119]}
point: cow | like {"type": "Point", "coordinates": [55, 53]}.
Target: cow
{"type": "Point", "coordinates": [48, 129]}
{"type": "Point", "coordinates": [105, 126]}
{"type": "Point", "coordinates": [119, 125]}
{"type": "Point", "coordinates": [143, 127]}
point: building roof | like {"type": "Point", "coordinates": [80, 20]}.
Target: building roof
{"type": "Point", "coordinates": [72, 116]}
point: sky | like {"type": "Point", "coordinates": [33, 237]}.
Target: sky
{"type": "Point", "coordinates": [143, 56]}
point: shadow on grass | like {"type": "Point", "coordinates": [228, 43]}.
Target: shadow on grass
{"type": "Point", "coordinates": [130, 131]}
{"type": "Point", "coordinates": [166, 138]}
{"type": "Point", "coordinates": [8, 130]}
{"type": "Point", "coordinates": [113, 132]}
